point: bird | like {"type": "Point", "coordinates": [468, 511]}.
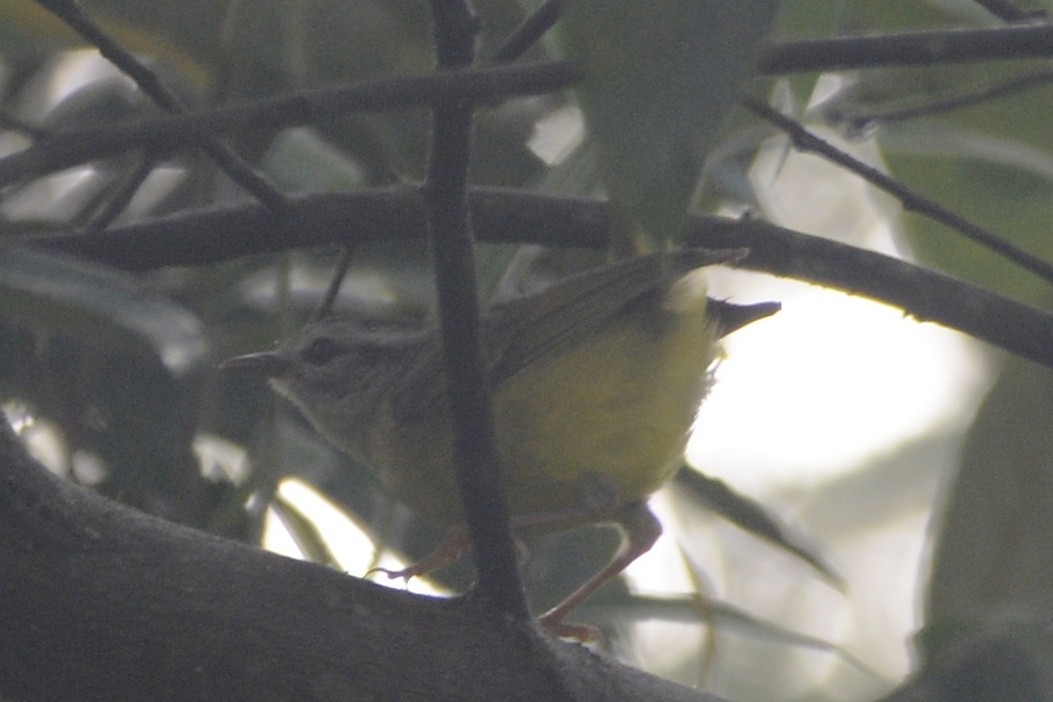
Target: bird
{"type": "Point", "coordinates": [596, 382]}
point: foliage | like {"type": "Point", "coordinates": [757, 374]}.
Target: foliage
{"type": "Point", "coordinates": [118, 367]}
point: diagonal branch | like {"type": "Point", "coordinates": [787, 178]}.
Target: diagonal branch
{"type": "Point", "coordinates": [490, 84]}
{"type": "Point", "coordinates": [475, 85]}
{"type": "Point", "coordinates": [210, 236]}
{"type": "Point", "coordinates": [922, 293]}
{"type": "Point", "coordinates": [528, 32]}
{"type": "Point", "coordinates": [149, 82]}
{"type": "Point", "coordinates": [908, 197]}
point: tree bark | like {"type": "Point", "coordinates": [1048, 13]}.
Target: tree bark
{"type": "Point", "coordinates": [101, 602]}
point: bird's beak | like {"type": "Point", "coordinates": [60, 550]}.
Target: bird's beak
{"type": "Point", "coordinates": [267, 364]}
{"type": "Point", "coordinates": [733, 317]}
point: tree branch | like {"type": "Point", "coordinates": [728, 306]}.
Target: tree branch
{"type": "Point", "coordinates": [528, 32]}
{"type": "Point", "coordinates": [468, 389]}
{"type": "Point", "coordinates": [476, 85]}
{"type": "Point", "coordinates": [483, 85]}
{"type": "Point", "coordinates": [210, 236]}
{"type": "Point", "coordinates": [99, 602]}
{"type": "Point", "coordinates": [908, 49]}
{"type": "Point", "coordinates": [911, 200]}
{"type": "Point", "coordinates": [920, 292]}
{"type": "Point", "coordinates": [151, 85]}
{"type": "Point", "coordinates": [860, 119]}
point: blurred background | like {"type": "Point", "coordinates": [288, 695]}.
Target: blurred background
{"type": "Point", "coordinates": [912, 463]}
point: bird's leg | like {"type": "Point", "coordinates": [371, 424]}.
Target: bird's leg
{"type": "Point", "coordinates": [640, 529]}
{"type": "Point", "coordinates": [454, 545]}
{"type": "Point", "coordinates": [638, 525]}
{"type": "Point", "coordinates": [600, 499]}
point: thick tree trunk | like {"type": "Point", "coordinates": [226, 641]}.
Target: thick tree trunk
{"type": "Point", "coordinates": [100, 602]}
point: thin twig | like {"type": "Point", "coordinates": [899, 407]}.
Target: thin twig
{"type": "Point", "coordinates": [950, 103]}
{"type": "Point", "coordinates": [118, 199]}
{"type": "Point", "coordinates": [486, 85]}
{"type": "Point", "coordinates": [908, 49]}
{"type": "Point", "coordinates": [333, 289]}
{"type": "Point", "coordinates": [490, 84]}
{"type": "Point", "coordinates": [152, 86]}
{"type": "Point", "coordinates": [910, 199]}
{"type": "Point", "coordinates": [206, 237]}
{"type": "Point", "coordinates": [482, 491]}
{"type": "Point", "coordinates": [9, 121]}
{"type": "Point", "coordinates": [469, 86]}
{"type": "Point", "coordinates": [528, 32]}
{"type": "Point", "coordinates": [516, 43]}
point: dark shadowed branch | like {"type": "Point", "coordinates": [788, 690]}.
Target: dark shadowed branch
{"type": "Point", "coordinates": [468, 391]}
{"type": "Point", "coordinates": [211, 236]}
{"type": "Point", "coordinates": [175, 133]}
{"type": "Point", "coordinates": [490, 84]}
{"type": "Point", "coordinates": [106, 603]}
{"type": "Point", "coordinates": [154, 88]}
{"type": "Point", "coordinates": [911, 200]}
{"type": "Point", "coordinates": [926, 48]}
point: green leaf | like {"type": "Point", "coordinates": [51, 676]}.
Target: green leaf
{"type": "Point", "coordinates": [304, 532]}
{"type": "Point", "coordinates": [996, 666]}
{"type": "Point", "coordinates": [990, 598]}
{"type": "Point", "coordinates": [992, 563]}
{"type": "Point", "coordinates": [751, 516]}
{"type": "Point", "coordinates": [987, 160]}
{"type": "Point", "coordinates": [659, 79]}
{"type": "Point", "coordinates": [97, 305]}
{"type": "Point", "coordinates": [699, 609]}
{"type": "Point", "coordinates": [117, 368]}
{"type": "Point", "coordinates": [905, 15]}
{"type": "Point", "coordinates": [1009, 201]}
{"type": "Point", "coordinates": [301, 159]}
{"type": "Point", "coordinates": [813, 19]}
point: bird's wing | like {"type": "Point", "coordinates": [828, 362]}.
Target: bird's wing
{"type": "Point", "coordinates": [520, 332]}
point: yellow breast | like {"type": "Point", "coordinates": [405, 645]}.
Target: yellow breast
{"type": "Point", "coordinates": [616, 408]}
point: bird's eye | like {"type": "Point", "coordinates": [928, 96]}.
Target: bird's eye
{"type": "Point", "coordinates": [320, 351]}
